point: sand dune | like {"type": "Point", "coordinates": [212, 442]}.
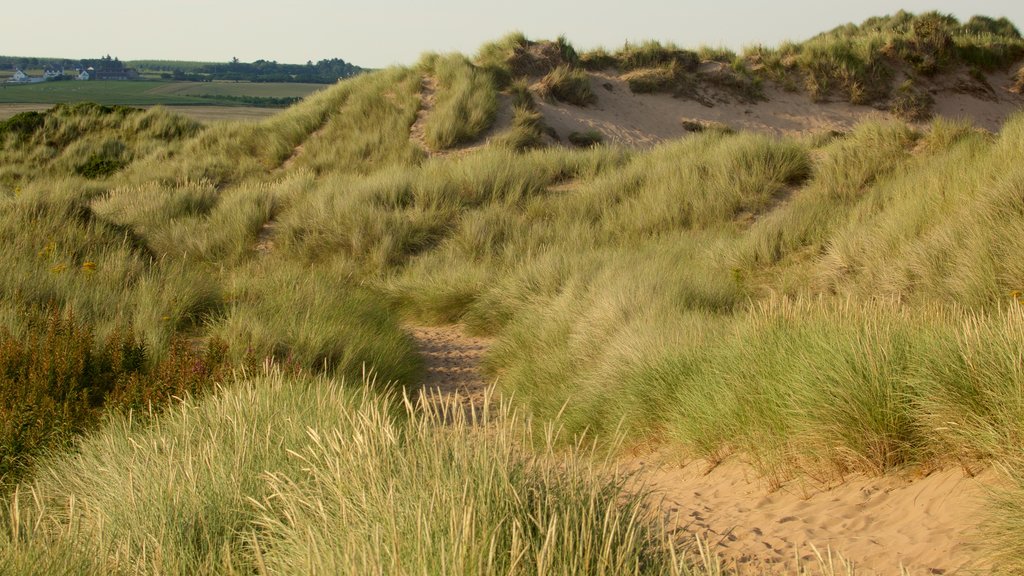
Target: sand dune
{"type": "Point", "coordinates": [642, 120]}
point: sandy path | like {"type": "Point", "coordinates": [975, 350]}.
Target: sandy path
{"type": "Point", "coordinates": [453, 363]}
{"type": "Point", "coordinates": [923, 524]}
{"type": "Point", "coordinates": [301, 146]}
{"type": "Point", "coordinates": [880, 524]}
{"type": "Point", "coordinates": [418, 130]}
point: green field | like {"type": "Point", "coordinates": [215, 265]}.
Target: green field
{"type": "Point", "coordinates": [258, 89]}
{"type": "Point", "coordinates": [148, 93]}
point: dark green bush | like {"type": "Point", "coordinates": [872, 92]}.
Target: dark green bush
{"type": "Point", "coordinates": [586, 139]}
{"type": "Point", "coordinates": [912, 104]}
{"type": "Point", "coordinates": [22, 125]}
{"type": "Point", "coordinates": [55, 382]}
{"type": "Point", "coordinates": [100, 166]}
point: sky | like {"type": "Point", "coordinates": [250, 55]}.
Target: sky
{"type": "Point", "coordinates": [378, 33]}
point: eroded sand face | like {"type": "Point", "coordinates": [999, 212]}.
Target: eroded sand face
{"type": "Point", "coordinates": [643, 120]}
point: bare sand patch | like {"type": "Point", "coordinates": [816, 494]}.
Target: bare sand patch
{"type": "Point", "coordinates": [643, 120]}
{"type": "Point", "coordinates": [453, 363]}
{"type": "Point", "coordinates": [924, 524]}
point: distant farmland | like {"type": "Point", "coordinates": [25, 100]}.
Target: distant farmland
{"type": "Point", "coordinates": [203, 114]}
{"type": "Point", "coordinates": [150, 93]}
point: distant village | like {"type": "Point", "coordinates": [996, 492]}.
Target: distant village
{"type": "Point", "coordinates": [103, 69]}
{"type": "Point", "coordinates": [29, 70]}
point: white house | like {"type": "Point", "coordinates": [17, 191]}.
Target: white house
{"type": "Point", "coordinates": [83, 75]}
{"type": "Point", "coordinates": [19, 76]}
{"type": "Point", "coordinates": [51, 73]}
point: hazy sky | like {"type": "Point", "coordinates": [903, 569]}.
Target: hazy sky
{"type": "Point", "coordinates": [377, 33]}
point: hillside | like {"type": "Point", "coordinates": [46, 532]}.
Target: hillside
{"type": "Point", "coordinates": [797, 268]}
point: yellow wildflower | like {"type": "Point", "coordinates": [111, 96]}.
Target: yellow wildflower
{"type": "Point", "coordinates": [88, 266]}
{"type": "Point", "coordinates": [48, 250]}
{"type": "Point", "coordinates": [58, 268]}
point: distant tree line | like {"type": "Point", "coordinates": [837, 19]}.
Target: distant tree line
{"type": "Point", "coordinates": [322, 72]}
{"type": "Point", "coordinates": [27, 63]}
{"type": "Point", "coordinates": [256, 101]}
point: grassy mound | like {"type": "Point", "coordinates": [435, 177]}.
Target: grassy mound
{"type": "Point", "coordinates": [847, 302]}
{"type": "Point", "coordinates": [273, 476]}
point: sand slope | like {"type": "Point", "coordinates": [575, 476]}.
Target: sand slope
{"type": "Point", "coordinates": [643, 120]}
{"type": "Point", "coordinates": [923, 524]}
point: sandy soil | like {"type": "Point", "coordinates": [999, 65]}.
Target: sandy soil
{"type": "Point", "coordinates": [923, 523]}
{"type": "Point", "coordinates": [452, 361]}
{"type": "Point", "coordinates": [643, 120]}
{"type": "Point", "coordinates": [418, 130]}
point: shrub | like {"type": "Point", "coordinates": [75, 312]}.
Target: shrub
{"type": "Point", "coordinates": [55, 382]}
{"type": "Point", "coordinates": [704, 125]}
{"type": "Point", "coordinates": [911, 103]}
{"type": "Point", "coordinates": [22, 125]}
{"type": "Point", "coordinates": [571, 85]}
{"type": "Point", "coordinates": [466, 103]}
{"type": "Point", "coordinates": [586, 139]}
{"type": "Point", "coordinates": [100, 166]}
{"type": "Point", "coordinates": [979, 25]}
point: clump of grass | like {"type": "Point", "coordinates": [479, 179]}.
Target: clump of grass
{"type": "Point", "coordinates": [586, 139]}
{"type": "Point", "coordinates": [911, 103]}
{"type": "Point", "coordinates": [598, 60]}
{"type": "Point", "coordinates": [99, 166]}
{"type": "Point", "coordinates": [565, 84]}
{"type": "Point", "coordinates": [466, 103]}
{"type": "Point", "coordinates": [311, 319]}
{"type": "Point", "coordinates": [23, 125]}
{"type": "Point", "coordinates": [859, 61]}
{"type": "Point", "coordinates": [1018, 81]}
{"type": "Point", "coordinates": [275, 475]}
{"type": "Point", "coordinates": [704, 125]}
{"type": "Point", "coordinates": [653, 54]}
{"type": "Point", "coordinates": [653, 80]}
{"type": "Point", "coordinates": [515, 56]}
{"type": "Point", "coordinates": [717, 54]}
{"type": "Point", "coordinates": [650, 66]}
{"type": "Point", "coordinates": [527, 130]}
